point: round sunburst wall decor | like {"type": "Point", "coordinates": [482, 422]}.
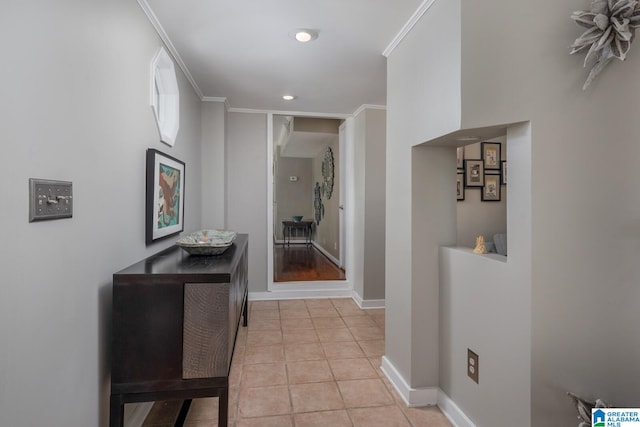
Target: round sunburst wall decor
{"type": "Point", "coordinates": [328, 172]}
{"type": "Point", "coordinates": [611, 26]}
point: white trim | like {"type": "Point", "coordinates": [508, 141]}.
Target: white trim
{"type": "Point", "coordinates": [413, 397]}
{"type": "Point", "coordinates": [165, 38]}
{"type": "Point", "coordinates": [289, 113]}
{"type": "Point", "coordinates": [214, 99]}
{"type": "Point", "coordinates": [453, 412]}
{"type": "Point", "coordinates": [270, 202]}
{"type": "Point", "coordinates": [325, 252]}
{"type": "Point", "coordinates": [368, 303]}
{"type": "Point", "coordinates": [300, 293]}
{"type": "Point", "coordinates": [426, 4]}
{"type": "Point", "coordinates": [368, 107]}
{"type": "Point", "coordinates": [139, 413]}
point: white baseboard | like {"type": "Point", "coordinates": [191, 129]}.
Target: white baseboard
{"type": "Point", "coordinates": [138, 414]}
{"type": "Point", "coordinates": [300, 294]}
{"type": "Point", "coordinates": [426, 396]}
{"type": "Point", "coordinates": [413, 397]}
{"type": "Point", "coordinates": [326, 253]}
{"type": "Point", "coordinates": [368, 303]}
{"type": "Point", "coordinates": [453, 412]}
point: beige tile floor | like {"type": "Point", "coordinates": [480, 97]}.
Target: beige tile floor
{"type": "Point", "coordinates": [307, 363]}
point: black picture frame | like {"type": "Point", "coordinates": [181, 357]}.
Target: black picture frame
{"type": "Point", "coordinates": [459, 157]}
{"type": "Point", "coordinates": [491, 189]}
{"type": "Point", "coordinates": [460, 185]}
{"type": "Point", "coordinates": [165, 187]}
{"type": "Point", "coordinates": [503, 172]}
{"type": "Point", "coordinates": [473, 173]}
{"type": "Point", "coordinates": [491, 155]}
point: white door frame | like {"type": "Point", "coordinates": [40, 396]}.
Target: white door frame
{"type": "Point", "coordinates": [317, 289]}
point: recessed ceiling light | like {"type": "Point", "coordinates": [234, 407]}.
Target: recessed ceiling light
{"type": "Point", "coordinates": [467, 138]}
{"type": "Point", "coordinates": [304, 35]}
{"type": "Point", "coordinates": [288, 97]}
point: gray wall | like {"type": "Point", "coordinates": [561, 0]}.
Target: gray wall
{"type": "Point", "coordinates": [370, 175]}
{"type": "Point", "coordinates": [476, 217]}
{"type": "Point", "coordinates": [423, 102]}
{"type": "Point", "coordinates": [75, 106]}
{"type": "Point", "coordinates": [327, 233]}
{"type": "Point", "coordinates": [246, 150]}
{"type": "Point", "coordinates": [293, 197]}
{"type": "Point", "coordinates": [213, 164]}
{"type": "Point", "coordinates": [577, 290]}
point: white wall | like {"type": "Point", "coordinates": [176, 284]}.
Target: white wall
{"type": "Point", "coordinates": [75, 106]}
{"type": "Point", "coordinates": [213, 165]}
{"type": "Point", "coordinates": [246, 150]}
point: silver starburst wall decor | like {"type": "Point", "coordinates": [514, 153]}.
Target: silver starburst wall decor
{"type": "Point", "coordinates": [611, 26]}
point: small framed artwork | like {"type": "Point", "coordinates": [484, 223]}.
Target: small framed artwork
{"type": "Point", "coordinates": [460, 157]}
{"type": "Point", "coordinates": [503, 175]}
{"type": "Point", "coordinates": [473, 173]}
{"type": "Point", "coordinates": [491, 155]}
{"type": "Point", "coordinates": [460, 185]}
{"type": "Point", "coordinates": [165, 196]}
{"type": "Point", "coordinates": [491, 189]}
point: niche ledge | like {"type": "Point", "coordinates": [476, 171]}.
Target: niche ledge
{"type": "Point", "coordinates": [489, 256]}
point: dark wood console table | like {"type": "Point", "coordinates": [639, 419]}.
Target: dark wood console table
{"type": "Point", "coordinates": [174, 325]}
{"type": "Point", "coordinates": [305, 226]}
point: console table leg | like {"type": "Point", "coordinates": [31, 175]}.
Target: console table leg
{"type": "Point", "coordinates": [116, 411]}
{"type": "Point", "coordinates": [223, 407]}
{"type": "Point", "coordinates": [245, 318]}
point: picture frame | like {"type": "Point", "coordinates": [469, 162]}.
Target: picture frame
{"type": "Point", "coordinates": [460, 157]}
{"type": "Point", "coordinates": [473, 173]}
{"type": "Point", "coordinates": [491, 155]}
{"type": "Point", "coordinates": [165, 180]}
{"type": "Point", "coordinates": [460, 186]}
{"type": "Point", "coordinates": [503, 173]}
{"type": "Point", "coordinates": [491, 188]}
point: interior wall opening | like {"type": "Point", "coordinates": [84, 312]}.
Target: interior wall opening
{"type": "Point", "coordinates": [308, 200]}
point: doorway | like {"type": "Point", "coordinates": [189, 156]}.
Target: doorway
{"type": "Point", "coordinates": [308, 192]}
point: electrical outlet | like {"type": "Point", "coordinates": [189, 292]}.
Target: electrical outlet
{"type": "Point", "coordinates": [473, 366]}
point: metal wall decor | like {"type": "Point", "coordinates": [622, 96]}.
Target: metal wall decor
{"type": "Point", "coordinates": [327, 172]}
{"type": "Point", "coordinates": [317, 203]}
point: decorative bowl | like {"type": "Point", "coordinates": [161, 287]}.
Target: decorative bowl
{"type": "Point", "coordinates": [207, 242]}
{"type": "Point", "coordinates": [297, 218]}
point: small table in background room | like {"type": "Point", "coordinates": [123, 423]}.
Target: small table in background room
{"type": "Point", "coordinates": [288, 226]}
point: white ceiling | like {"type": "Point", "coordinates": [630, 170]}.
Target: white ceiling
{"type": "Point", "coordinates": [242, 50]}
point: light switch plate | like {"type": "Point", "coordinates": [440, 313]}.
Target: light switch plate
{"type": "Point", "coordinates": [49, 199]}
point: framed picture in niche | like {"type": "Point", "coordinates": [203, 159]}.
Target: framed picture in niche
{"type": "Point", "coordinates": [460, 157]}
{"type": "Point", "coordinates": [491, 155]}
{"type": "Point", "coordinates": [164, 196]}
{"type": "Point", "coordinates": [460, 186]}
{"type": "Point", "coordinates": [473, 173]}
{"type": "Point", "coordinates": [503, 175]}
{"type": "Point", "coordinates": [491, 189]}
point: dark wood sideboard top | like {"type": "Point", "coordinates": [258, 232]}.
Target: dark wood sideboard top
{"type": "Point", "coordinates": [174, 261]}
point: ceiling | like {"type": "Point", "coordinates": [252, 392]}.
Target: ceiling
{"type": "Point", "coordinates": [244, 51]}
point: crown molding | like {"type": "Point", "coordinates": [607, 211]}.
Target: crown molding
{"type": "Point", "coordinates": [290, 113]}
{"type": "Point", "coordinates": [426, 4]}
{"type": "Point", "coordinates": [221, 99]}
{"type": "Point", "coordinates": [368, 107]}
{"type": "Point", "coordinates": [170, 47]}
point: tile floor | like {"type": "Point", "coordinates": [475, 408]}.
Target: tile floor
{"type": "Point", "coordinates": [307, 363]}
